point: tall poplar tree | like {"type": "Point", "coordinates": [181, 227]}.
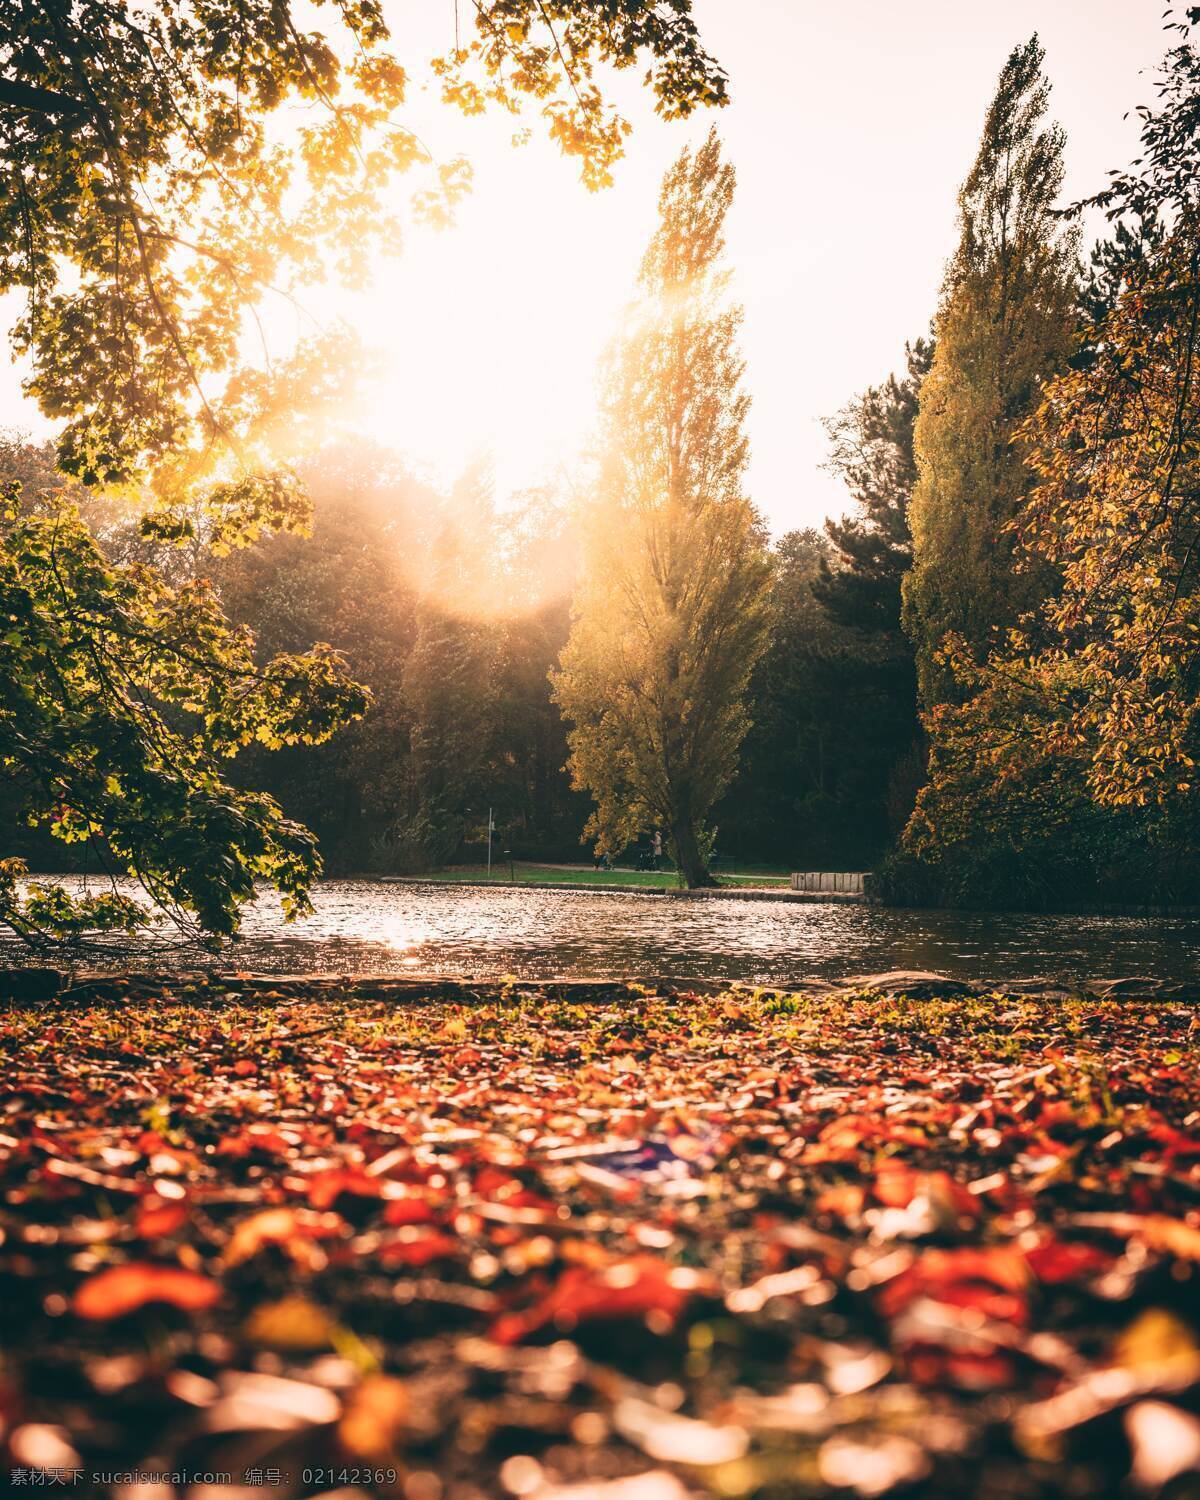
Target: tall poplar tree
{"type": "Point", "coordinates": [1077, 749]}
{"type": "Point", "coordinates": [671, 614]}
{"type": "Point", "coordinates": [1006, 322]}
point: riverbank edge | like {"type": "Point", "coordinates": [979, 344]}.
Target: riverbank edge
{"type": "Point", "coordinates": [37, 985]}
{"type": "Point", "coordinates": [709, 893]}
{"type": "Point", "coordinates": [786, 894]}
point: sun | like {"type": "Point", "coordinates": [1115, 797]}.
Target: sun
{"type": "Point", "coordinates": [489, 334]}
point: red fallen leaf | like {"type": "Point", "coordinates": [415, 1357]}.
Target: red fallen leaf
{"type": "Point", "coordinates": [288, 1227]}
{"type": "Point", "coordinates": [843, 1201]}
{"type": "Point", "coordinates": [325, 1188]}
{"type": "Point", "coordinates": [526, 1198]}
{"type": "Point", "coordinates": [638, 1287]}
{"type": "Point", "coordinates": [896, 1184]}
{"type": "Point", "coordinates": [839, 1140]}
{"type": "Point", "coordinates": [418, 1250]}
{"type": "Point", "coordinates": [1175, 1142]}
{"type": "Point", "coordinates": [1054, 1261]}
{"type": "Point", "coordinates": [503, 1188]}
{"type": "Point", "coordinates": [1057, 1112]}
{"type": "Point", "coordinates": [992, 1280]}
{"type": "Point", "coordinates": [490, 1180]}
{"type": "Point", "coordinates": [408, 1211]}
{"type": "Point", "coordinates": [157, 1216]}
{"type": "Point", "coordinates": [970, 1370]}
{"type": "Point", "coordinates": [391, 1164]}
{"type": "Point", "coordinates": [401, 1166]}
{"type": "Point", "coordinates": [244, 1068]}
{"type": "Point", "coordinates": [124, 1289]}
{"type": "Point", "coordinates": [254, 1138]}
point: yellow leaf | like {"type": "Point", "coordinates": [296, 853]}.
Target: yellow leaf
{"type": "Point", "coordinates": [293, 1323]}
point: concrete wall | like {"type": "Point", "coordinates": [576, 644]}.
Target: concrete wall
{"type": "Point", "coordinates": [842, 882]}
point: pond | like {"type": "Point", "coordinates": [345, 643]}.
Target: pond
{"type": "Point", "coordinates": [365, 926]}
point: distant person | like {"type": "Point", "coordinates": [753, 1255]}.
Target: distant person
{"type": "Point", "coordinates": [656, 849]}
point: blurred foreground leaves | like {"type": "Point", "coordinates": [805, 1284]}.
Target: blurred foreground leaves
{"type": "Point", "coordinates": [813, 1244]}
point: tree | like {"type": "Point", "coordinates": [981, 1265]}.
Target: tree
{"type": "Point", "coordinates": [1075, 747]}
{"type": "Point", "coordinates": [785, 801]}
{"type": "Point", "coordinates": [871, 667]}
{"type": "Point", "coordinates": [155, 189]}
{"type": "Point", "coordinates": [1006, 322]}
{"type": "Point", "coordinates": [455, 616]}
{"type": "Point", "coordinates": [354, 580]}
{"type": "Point", "coordinates": [873, 451]}
{"type": "Point", "coordinates": [1116, 445]}
{"type": "Point", "coordinates": [450, 678]}
{"type": "Point", "coordinates": [535, 805]}
{"type": "Point", "coordinates": [671, 614]}
{"type": "Point", "coordinates": [122, 699]}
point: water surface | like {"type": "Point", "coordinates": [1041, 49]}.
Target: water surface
{"type": "Point", "coordinates": [387, 927]}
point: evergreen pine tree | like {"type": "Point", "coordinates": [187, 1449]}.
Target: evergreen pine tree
{"type": "Point", "coordinates": [873, 452]}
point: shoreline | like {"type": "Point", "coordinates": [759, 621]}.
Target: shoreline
{"type": "Point", "coordinates": [718, 893]}
{"type": "Point", "coordinates": [798, 898]}
{"type": "Point", "coordinates": [36, 984]}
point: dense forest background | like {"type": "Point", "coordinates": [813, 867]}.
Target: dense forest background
{"type": "Point", "coordinates": [454, 607]}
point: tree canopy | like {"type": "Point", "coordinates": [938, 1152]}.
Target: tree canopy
{"type": "Point", "coordinates": [122, 697]}
{"type": "Point", "coordinates": [155, 192]}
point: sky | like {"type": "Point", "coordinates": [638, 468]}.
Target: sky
{"type": "Point", "coordinates": [850, 126]}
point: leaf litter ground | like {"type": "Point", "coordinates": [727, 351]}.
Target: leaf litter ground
{"type": "Point", "coordinates": [634, 1249]}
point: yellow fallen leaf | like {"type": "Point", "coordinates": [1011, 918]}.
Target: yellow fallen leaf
{"type": "Point", "coordinates": [1172, 1235]}
{"type": "Point", "coordinates": [373, 1423]}
{"type": "Point", "coordinates": [1156, 1340]}
{"type": "Point", "coordinates": [293, 1323]}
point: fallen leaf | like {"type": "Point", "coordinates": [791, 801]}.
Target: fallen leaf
{"type": "Point", "coordinates": [121, 1290]}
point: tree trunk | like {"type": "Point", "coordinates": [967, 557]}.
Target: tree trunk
{"type": "Point", "coordinates": [687, 854]}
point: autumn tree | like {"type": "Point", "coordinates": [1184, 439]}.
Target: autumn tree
{"type": "Point", "coordinates": [166, 169]}
{"type": "Point", "coordinates": [672, 609]}
{"type": "Point", "coordinates": [351, 582]}
{"type": "Point", "coordinates": [1006, 322]}
{"type": "Point", "coordinates": [1081, 730]}
{"type": "Point", "coordinates": [455, 616]}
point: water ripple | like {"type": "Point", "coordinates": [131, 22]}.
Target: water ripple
{"type": "Point", "coordinates": [385, 927]}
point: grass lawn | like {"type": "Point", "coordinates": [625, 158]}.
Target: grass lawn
{"type": "Point", "coordinates": [585, 875]}
{"type": "Point", "coordinates": [819, 1246]}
